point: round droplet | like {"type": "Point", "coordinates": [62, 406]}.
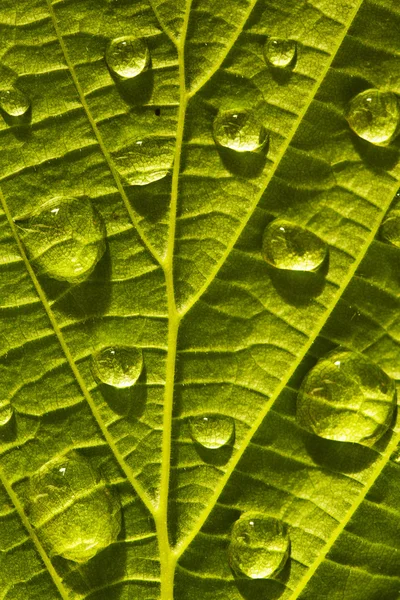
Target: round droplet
{"type": "Point", "coordinates": [239, 130]}
{"type": "Point", "coordinates": [6, 412]}
{"type": "Point", "coordinates": [374, 116]}
{"type": "Point", "coordinates": [71, 507]}
{"type": "Point", "coordinates": [347, 398]}
{"type": "Point", "coordinates": [279, 52]}
{"type": "Point", "coordinates": [65, 238]}
{"type": "Point", "coordinates": [286, 245]}
{"type": "Point", "coordinates": [390, 229]}
{"type": "Point", "coordinates": [260, 546]}
{"type": "Point", "coordinates": [212, 431]}
{"type": "Point", "coordinates": [127, 56]}
{"type": "Point", "coordinates": [119, 366]}
{"type": "Point", "coordinates": [145, 160]}
{"type": "Point", "coordinates": [14, 102]}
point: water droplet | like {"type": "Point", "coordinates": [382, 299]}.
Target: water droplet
{"type": "Point", "coordinates": [390, 229]}
{"type": "Point", "coordinates": [279, 52]}
{"type": "Point", "coordinates": [127, 56]}
{"type": "Point", "coordinates": [374, 116]}
{"type": "Point", "coordinates": [14, 102]}
{"type": "Point", "coordinates": [65, 238]}
{"type": "Point", "coordinates": [6, 412]}
{"type": "Point", "coordinates": [260, 546]}
{"type": "Point", "coordinates": [239, 130]}
{"type": "Point", "coordinates": [347, 398]}
{"type": "Point", "coordinates": [119, 366]}
{"type": "Point", "coordinates": [212, 431]}
{"type": "Point", "coordinates": [72, 509]}
{"type": "Point", "coordinates": [146, 160]}
{"type": "Point", "coordinates": [289, 246]}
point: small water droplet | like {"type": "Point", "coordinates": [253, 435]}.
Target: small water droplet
{"type": "Point", "coordinates": [6, 412]}
{"type": "Point", "coordinates": [374, 116]}
{"type": "Point", "coordinates": [127, 56]}
{"type": "Point", "coordinates": [289, 246]}
{"type": "Point", "coordinates": [390, 229]}
{"type": "Point", "coordinates": [212, 431]}
{"type": "Point", "coordinates": [260, 546]}
{"type": "Point", "coordinates": [65, 238]}
{"type": "Point", "coordinates": [145, 160]}
{"type": "Point", "coordinates": [119, 366]}
{"type": "Point", "coordinates": [239, 130]}
{"type": "Point", "coordinates": [14, 102]}
{"type": "Point", "coordinates": [347, 398]}
{"type": "Point", "coordinates": [73, 511]}
{"type": "Point", "coordinates": [280, 52]}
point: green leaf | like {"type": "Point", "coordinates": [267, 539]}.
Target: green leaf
{"type": "Point", "coordinates": [182, 279]}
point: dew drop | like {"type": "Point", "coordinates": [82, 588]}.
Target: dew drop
{"type": "Point", "coordinates": [127, 56]}
{"type": "Point", "coordinates": [390, 229]}
{"type": "Point", "coordinates": [212, 431]}
{"type": "Point", "coordinates": [239, 130]}
{"type": "Point", "coordinates": [6, 413]}
{"type": "Point", "coordinates": [347, 398]}
{"type": "Point", "coordinates": [280, 52]}
{"type": "Point", "coordinates": [119, 366]}
{"type": "Point", "coordinates": [64, 238]}
{"type": "Point", "coordinates": [72, 509]}
{"type": "Point", "coordinates": [145, 160]}
{"type": "Point", "coordinates": [289, 246]}
{"type": "Point", "coordinates": [374, 116]}
{"type": "Point", "coordinates": [14, 102]}
{"type": "Point", "coordinates": [259, 547]}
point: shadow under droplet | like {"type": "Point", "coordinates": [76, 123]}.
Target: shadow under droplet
{"type": "Point", "coordinates": [268, 589]}
{"type": "Point", "coordinates": [151, 201]}
{"type": "Point", "coordinates": [283, 75]}
{"type": "Point", "coordinates": [8, 431]}
{"type": "Point", "coordinates": [378, 157]}
{"type": "Point", "coordinates": [136, 90]}
{"type": "Point", "coordinates": [215, 456]}
{"type": "Point", "coordinates": [298, 287]}
{"type": "Point", "coordinates": [20, 126]}
{"type": "Point", "coordinates": [244, 164]}
{"type": "Point", "coordinates": [130, 401]}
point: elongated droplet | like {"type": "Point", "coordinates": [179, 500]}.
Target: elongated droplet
{"type": "Point", "coordinates": [239, 130]}
{"type": "Point", "coordinates": [212, 431]}
{"type": "Point", "coordinates": [288, 246]}
{"type": "Point", "coordinates": [374, 116]}
{"type": "Point", "coordinates": [119, 366]}
{"type": "Point", "coordinates": [65, 238]}
{"type": "Point", "coordinates": [280, 52]}
{"type": "Point", "coordinates": [6, 412]}
{"type": "Point", "coordinates": [72, 509]}
{"type": "Point", "coordinates": [145, 160]}
{"type": "Point", "coordinates": [14, 102]}
{"type": "Point", "coordinates": [260, 546]}
{"type": "Point", "coordinates": [127, 56]}
{"type": "Point", "coordinates": [347, 398]}
{"type": "Point", "coordinates": [390, 229]}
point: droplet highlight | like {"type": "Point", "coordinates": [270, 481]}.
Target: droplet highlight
{"type": "Point", "coordinates": [239, 130]}
{"type": "Point", "coordinates": [347, 398]}
{"type": "Point", "coordinates": [145, 160]}
{"type": "Point", "coordinates": [212, 431]}
{"type": "Point", "coordinates": [289, 246]}
{"type": "Point", "coordinates": [259, 547]}
{"type": "Point", "coordinates": [74, 512]}
{"type": "Point", "coordinates": [390, 229]}
{"type": "Point", "coordinates": [14, 102]}
{"type": "Point", "coordinates": [127, 56]}
{"type": "Point", "coordinates": [65, 238]}
{"type": "Point", "coordinates": [280, 53]}
{"type": "Point", "coordinates": [374, 116]}
{"type": "Point", "coordinates": [118, 366]}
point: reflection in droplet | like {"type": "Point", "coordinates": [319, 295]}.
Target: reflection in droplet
{"type": "Point", "coordinates": [145, 160]}
{"type": "Point", "coordinates": [212, 431]}
{"type": "Point", "coordinates": [72, 509]}
{"type": "Point", "coordinates": [127, 56]}
{"type": "Point", "coordinates": [119, 366]}
{"type": "Point", "coordinates": [65, 238]}
{"type": "Point", "coordinates": [6, 412]}
{"type": "Point", "coordinates": [259, 547]}
{"type": "Point", "coordinates": [347, 398]}
{"type": "Point", "coordinates": [390, 229]}
{"type": "Point", "coordinates": [14, 102]}
{"type": "Point", "coordinates": [280, 52]}
{"type": "Point", "coordinates": [239, 130]}
{"type": "Point", "coordinates": [374, 116]}
{"type": "Point", "coordinates": [289, 246]}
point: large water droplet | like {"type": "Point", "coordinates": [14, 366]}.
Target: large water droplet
{"type": "Point", "coordinates": [374, 116]}
{"type": "Point", "coordinates": [74, 512]}
{"type": "Point", "coordinates": [14, 102]}
{"type": "Point", "coordinates": [127, 56]}
{"type": "Point", "coordinates": [65, 238]}
{"type": "Point", "coordinates": [212, 431]}
{"type": "Point", "coordinates": [347, 398]}
{"type": "Point", "coordinates": [145, 160]}
{"type": "Point", "coordinates": [239, 130]}
{"type": "Point", "coordinates": [6, 412]}
{"type": "Point", "coordinates": [119, 366]}
{"type": "Point", "coordinates": [259, 547]}
{"type": "Point", "coordinates": [289, 246]}
{"type": "Point", "coordinates": [280, 52]}
{"type": "Point", "coordinates": [390, 229]}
